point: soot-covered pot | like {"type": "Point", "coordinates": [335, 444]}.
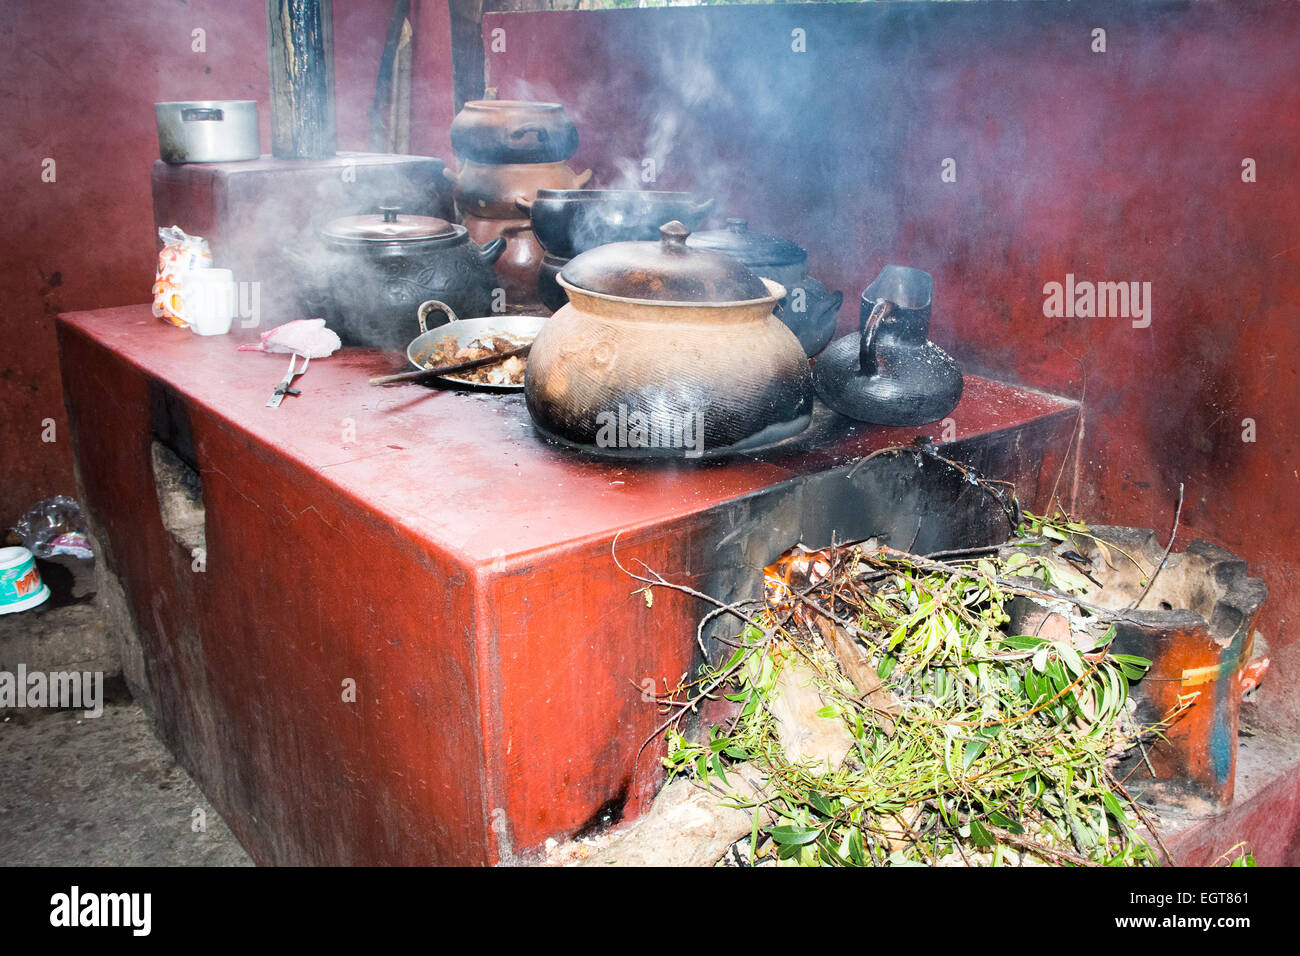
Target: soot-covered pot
{"type": "Point", "coordinates": [376, 270]}
{"type": "Point", "coordinates": [890, 373]}
{"type": "Point", "coordinates": [808, 309]}
{"type": "Point", "coordinates": [666, 351]}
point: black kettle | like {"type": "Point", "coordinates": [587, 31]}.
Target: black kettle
{"type": "Point", "coordinates": [890, 373]}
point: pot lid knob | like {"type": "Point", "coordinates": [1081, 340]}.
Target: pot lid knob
{"type": "Point", "coordinates": [673, 236]}
{"type": "Point", "coordinates": [738, 225]}
{"type": "Point", "coordinates": [390, 212]}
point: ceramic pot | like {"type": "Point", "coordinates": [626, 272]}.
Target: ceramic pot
{"type": "Point", "coordinates": [808, 309]}
{"type": "Point", "coordinates": [890, 373]}
{"type": "Point", "coordinates": [371, 273]}
{"type": "Point", "coordinates": [666, 352]}
{"type": "Point", "coordinates": [513, 131]}
{"type": "Point", "coordinates": [491, 192]}
{"type": "Point", "coordinates": [571, 221]}
{"type": "Point", "coordinates": [521, 261]}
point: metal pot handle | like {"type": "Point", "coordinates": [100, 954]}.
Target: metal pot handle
{"type": "Point", "coordinates": [450, 175]}
{"type": "Point", "coordinates": [581, 179]}
{"type": "Point", "coordinates": [702, 207]}
{"type": "Point", "coordinates": [882, 312]}
{"type": "Point", "coordinates": [422, 313]}
{"type": "Point", "coordinates": [206, 114]}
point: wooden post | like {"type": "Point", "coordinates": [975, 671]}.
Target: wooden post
{"type": "Point", "coordinates": [467, 59]}
{"type": "Point", "coordinates": [300, 48]}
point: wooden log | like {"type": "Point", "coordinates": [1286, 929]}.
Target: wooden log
{"type": "Point", "coordinates": [300, 50]}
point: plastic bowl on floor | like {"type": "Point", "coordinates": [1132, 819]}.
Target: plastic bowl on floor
{"type": "Point", "coordinates": [21, 587]}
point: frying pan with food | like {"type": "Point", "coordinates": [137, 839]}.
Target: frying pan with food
{"type": "Point", "coordinates": [516, 329]}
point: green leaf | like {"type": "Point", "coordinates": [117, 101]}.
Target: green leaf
{"type": "Point", "coordinates": [1071, 658]}
{"type": "Point", "coordinates": [1005, 822]}
{"type": "Point", "coordinates": [820, 804]}
{"type": "Point", "coordinates": [794, 836]}
{"type": "Point", "coordinates": [979, 834]}
{"type": "Point", "coordinates": [1024, 642]}
{"type": "Point", "coordinates": [973, 749]}
{"type": "Point", "coordinates": [829, 711]}
{"type": "Point", "coordinates": [887, 664]}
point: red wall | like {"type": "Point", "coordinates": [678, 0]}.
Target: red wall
{"type": "Point", "coordinates": [1123, 165]}
{"type": "Point", "coordinates": [78, 80]}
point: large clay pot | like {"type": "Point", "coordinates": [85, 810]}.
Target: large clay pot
{"type": "Point", "coordinates": [492, 191]}
{"type": "Point", "coordinates": [664, 351]}
{"type": "Point", "coordinates": [519, 265]}
{"type": "Point", "coordinates": [513, 131]}
{"type": "Point", "coordinates": [371, 273]}
{"type": "Point", "coordinates": [808, 309]}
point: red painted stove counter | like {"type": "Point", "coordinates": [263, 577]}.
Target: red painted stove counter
{"type": "Point", "coordinates": [425, 547]}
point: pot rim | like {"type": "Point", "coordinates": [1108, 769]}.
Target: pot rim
{"type": "Point", "coordinates": [458, 235]}
{"type": "Point", "coordinates": [776, 292]}
{"type": "Point", "coordinates": [590, 195]}
{"type": "Point", "coordinates": [540, 106]}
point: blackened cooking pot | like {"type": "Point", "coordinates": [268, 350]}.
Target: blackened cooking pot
{"type": "Point", "coordinates": [370, 274]}
{"type": "Point", "coordinates": [570, 221]}
{"type": "Point", "coordinates": [809, 310]}
{"type": "Point", "coordinates": [666, 352]}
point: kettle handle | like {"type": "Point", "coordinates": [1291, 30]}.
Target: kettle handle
{"type": "Point", "coordinates": [490, 252]}
{"type": "Point", "coordinates": [432, 305]}
{"type": "Point", "coordinates": [867, 348]}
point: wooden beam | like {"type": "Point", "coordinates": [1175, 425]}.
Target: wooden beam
{"type": "Point", "coordinates": [300, 50]}
{"type": "Point", "coordinates": [467, 60]}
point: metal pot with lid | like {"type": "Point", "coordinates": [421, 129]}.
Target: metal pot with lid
{"type": "Point", "coordinates": [808, 308]}
{"type": "Point", "coordinates": [372, 272]}
{"type": "Point", "coordinates": [665, 351]}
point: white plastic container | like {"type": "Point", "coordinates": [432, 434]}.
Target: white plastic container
{"type": "Point", "coordinates": [21, 587]}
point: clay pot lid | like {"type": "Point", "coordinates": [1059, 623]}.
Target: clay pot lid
{"type": "Point", "coordinates": [664, 271]}
{"type": "Point", "coordinates": [754, 249]}
{"type": "Point", "coordinates": [388, 226]}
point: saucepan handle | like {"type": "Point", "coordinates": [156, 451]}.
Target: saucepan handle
{"type": "Point", "coordinates": [433, 305]}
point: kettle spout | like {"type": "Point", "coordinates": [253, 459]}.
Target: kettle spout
{"type": "Point", "coordinates": [490, 252]}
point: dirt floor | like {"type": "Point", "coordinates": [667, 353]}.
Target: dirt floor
{"type": "Point", "coordinates": [78, 791]}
